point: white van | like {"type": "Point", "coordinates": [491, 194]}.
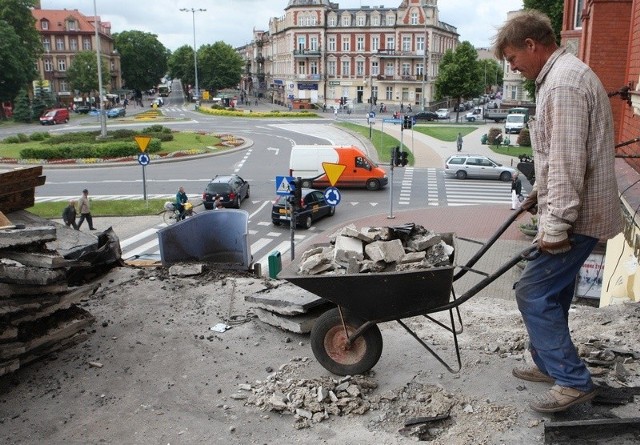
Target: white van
{"type": "Point", "coordinates": [360, 171]}
{"type": "Point", "coordinates": [515, 123]}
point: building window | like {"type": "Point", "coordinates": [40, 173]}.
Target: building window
{"type": "Point", "coordinates": [46, 44]}
{"type": "Point", "coordinates": [331, 67]}
{"type": "Point", "coordinates": [346, 43]}
{"type": "Point", "coordinates": [405, 94]}
{"type": "Point", "coordinates": [332, 21]}
{"type": "Point", "coordinates": [577, 24]}
{"type": "Point", "coordinates": [313, 20]}
{"type": "Point", "coordinates": [375, 69]}
{"type": "Point", "coordinates": [44, 24]}
{"type": "Point", "coordinates": [375, 21]}
{"type": "Point", "coordinates": [64, 86]}
{"type": "Point", "coordinates": [313, 44]}
{"type": "Point", "coordinates": [406, 69]}
{"type": "Point", "coordinates": [301, 43]}
{"type": "Point", "coordinates": [388, 70]}
{"type": "Point", "coordinates": [302, 69]}
{"type": "Point", "coordinates": [359, 43]}
{"type": "Point", "coordinates": [48, 65]}
{"type": "Point", "coordinates": [73, 45]}
{"type": "Point", "coordinates": [414, 18]}
{"type": "Point", "coordinates": [359, 68]}
{"type": "Point", "coordinates": [391, 43]}
{"type": "Point", "coordinates": [331, 44]}
{"type": "Point", "coordinates": [419, 69]}
{"type": "Point", "coordinates": [420, 44]}
{"type": "Point", "coordinates": [390, 20]}
{"type": "Point", "coordinates": [313, 67]}
{"type": "Point", "coordinates": [346, 68]}
{"type": "Point", "coordinates": [60, 44]}
{"type": "Point", "coordinates": [406, 43]}
{"type": "Point", "coordinates": [62, 64]}
{"type": "Point", "coordinates": [388, 93]}
{"type": "Point", "coordinates": [86, 43]}
{"type": "Point", "coordinates": [71, 25]}
{"type": "Point", "coordinates": [375, 44]}
{"type": "Point", "coordinates": [360, 20]}
{"type": "Point", "coordinates": [346, 20]}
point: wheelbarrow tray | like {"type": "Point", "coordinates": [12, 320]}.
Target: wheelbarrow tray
{"type": "Point", "coordinates": [381, 296]}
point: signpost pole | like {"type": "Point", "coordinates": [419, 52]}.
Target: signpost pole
{"type": "Point", "coordinates": [144, 185]}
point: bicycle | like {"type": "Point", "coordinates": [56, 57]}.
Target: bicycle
{"type": "Point", "coordinates": [171, 214]}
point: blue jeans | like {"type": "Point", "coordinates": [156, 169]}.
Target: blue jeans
{"type": "Point", "coordinates": [544, 295]}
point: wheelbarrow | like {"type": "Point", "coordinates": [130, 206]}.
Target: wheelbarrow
{"type": "Point", "coordinates": [346, 340]}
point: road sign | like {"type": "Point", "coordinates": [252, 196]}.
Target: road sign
{"type": "Point", "coordinates": [143, 142]}
{"type": "Point", "coordinates": [332, 196]}
{"type": "Point", "coordinates": [284, 185]}
{"type": "Point", "coordinates": [333, 171]}
{"type": "Point", "coordinates": [392, 120]}
{"type": "Point", "coordinates": [143, 159]}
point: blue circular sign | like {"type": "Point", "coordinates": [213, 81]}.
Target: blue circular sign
{"type": "Point", "coordinates": [332, 196]}
{"type": "Point", "coordinates": [143, 159]}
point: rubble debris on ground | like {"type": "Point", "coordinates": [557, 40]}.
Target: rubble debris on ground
{"type": "Point", "coordinates": [379, 249]}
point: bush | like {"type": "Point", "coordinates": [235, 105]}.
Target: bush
{"type": "Point", "coordinates": [493, 133]}
{"type": "Point", "coordinates": [157, 128]}
{"type": "Point", "coordinates": [105, 149]}
{"type": "Point", "coordinates": [524, 138]}
{"type": "Point", "coordinates": [23, 137]}
{"type": "Point", "coordinates": [11, 140]}
{"type": "Point", "coordinates": [39, 136]}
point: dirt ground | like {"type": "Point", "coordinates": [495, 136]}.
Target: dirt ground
{"type": "Point", "coordinates": [153, 372]}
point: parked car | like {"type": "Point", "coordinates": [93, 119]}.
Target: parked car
{"type": "Point", "coordinates": [464, 166]}
{"type": "Point", "coordinates": [116, 112]}
{"type": "Point", "coordinates": [313, 207]}
{"type": "Point", "coordinates": [82, 109]}
{"type": "Point", "coordinates": [231, 188]}
{"type": "Point", "coordinates": [55, 116]}
{"type": "Point", "coordinates": [425, 116]}
{"type": "Point", "coordinates": [158, 102]}
{"type": "Point", "coordinates": [443, 113]}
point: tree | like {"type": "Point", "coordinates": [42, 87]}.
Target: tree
{"type": "Point", "coordinates": [17, 69]}
{"type": "Point", "coordinates": [459, 73]}
{"type": "Point", "coordinates": [17, 13]}
{"type": "Point", "coordinates": [219, 66]}
{"type": "Point", "coordinates": [554, 9]}
{"type": "Point", "coordinates": [491, 73]}
{"type": "Point", "coordinates": [22, 107]}
{"type": "Point", "coordinates": [181, 65]}
{"type": "Point", "coordinates": [42, 99]}
{"type": "Point", "coordinates": [82, 74]}
{"type": "Point", "coordinates": [143, 59]}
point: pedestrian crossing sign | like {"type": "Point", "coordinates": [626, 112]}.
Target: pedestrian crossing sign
{"type": "Point", "coordinates": [284, 185]}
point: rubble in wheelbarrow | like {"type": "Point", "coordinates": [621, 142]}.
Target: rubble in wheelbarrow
{"type": "Point", "coordinates": [378, 249]}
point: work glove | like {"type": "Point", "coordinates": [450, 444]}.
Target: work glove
{"type": "Point", "coordinates": [530, 203]}
{"type": "Point", "coordinates": [554, 245]}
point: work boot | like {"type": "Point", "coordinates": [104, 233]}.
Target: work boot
{"type": "Point", "coordinates": [532, 374]}
{"type": "Point", "coordinates": [559, 398]}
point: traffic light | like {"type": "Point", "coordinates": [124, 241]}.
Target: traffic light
{"type": "Point", "coordinates": [395, 156]}
{"type": "Point", "coordinates": [404, 158]}
{"type": "Point", "coordinates": [297, 193]}
{"type": "Point", "coordinates": [408, 122]}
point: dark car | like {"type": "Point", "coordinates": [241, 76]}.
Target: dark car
{"type": "Point", "coordinates": [231, 188]}
{"type": "Point", "coordinates": [82, 109]}
{"type": "Point", "coordinates": [425, 116]}
{"type": "Point", "coordinates": [313, 207]}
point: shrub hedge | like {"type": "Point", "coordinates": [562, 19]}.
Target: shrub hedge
{"type": "Point", "coordinates": [105, 149]}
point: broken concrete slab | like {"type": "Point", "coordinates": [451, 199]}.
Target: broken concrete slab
{"type": "Point", "coordinates": [346, 248]}
{"type": "Point", "coordinates": [13, 272]}
{"type": "Point", "coordinates": [387, 251]}
{"type": "Point", "coordinates": [286, 299]}
{"type": "Point", "coordinates": [26, 236]}
{"type": "Point", "coordinates": [299, 324]}
{"type": "Point", "coordinates": [186, 270]}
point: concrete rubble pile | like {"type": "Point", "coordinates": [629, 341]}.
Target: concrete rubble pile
{"type": "Point", "coordinates": [43, 274]}
{"type": "Point", "coordinates": [308, 400]}
{"type": "Point", "coordinates": [378, 249]}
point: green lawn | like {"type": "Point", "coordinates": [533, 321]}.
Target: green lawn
{"type": "Point", "coordinates": [104, 208]}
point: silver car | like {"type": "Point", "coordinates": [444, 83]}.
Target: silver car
{"type": "Point", "coordinates": [464, 166]}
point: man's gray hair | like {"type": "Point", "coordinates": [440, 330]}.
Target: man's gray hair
{"type": "Point", "coordinates": [528, 24]}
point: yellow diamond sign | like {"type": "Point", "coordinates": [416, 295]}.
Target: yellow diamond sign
{"type": "Point", "coordinates": [333, 171]}
{"type": "Point", "coordinates": [143, 142]}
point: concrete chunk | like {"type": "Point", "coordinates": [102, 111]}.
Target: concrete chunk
{"type": "Point", "coordinates": [346, 248]}
{"type": "Point", "coordinates": [387, 251]}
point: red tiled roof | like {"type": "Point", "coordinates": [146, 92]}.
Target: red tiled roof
{"type": "Point", "coordinates": [58, 17]}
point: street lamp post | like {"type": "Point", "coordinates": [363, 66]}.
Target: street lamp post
{"type": "Point", "coordinates": [103, 117]}
{"type": "Point", "coordinates": [195, 52]}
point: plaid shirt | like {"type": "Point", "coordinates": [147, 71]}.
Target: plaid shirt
{"type": "Point", "coordinates": [573, 141]}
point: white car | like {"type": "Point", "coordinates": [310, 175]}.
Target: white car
{"type": "Point", "coordinates": [443, 113]}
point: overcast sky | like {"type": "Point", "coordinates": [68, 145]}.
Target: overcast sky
{"type": "Point", "coordinates": [233, 21]}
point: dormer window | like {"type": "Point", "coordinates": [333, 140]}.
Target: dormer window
{"type": "Point", "coordinates": [44, 24]}
{"type": "Point", "coordinates": [71, 25]}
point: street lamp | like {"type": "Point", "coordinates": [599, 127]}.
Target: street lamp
{"type": "Point", "coordinates": [103, 117]}
{"type": "Point", "coordinates": [195, 52]}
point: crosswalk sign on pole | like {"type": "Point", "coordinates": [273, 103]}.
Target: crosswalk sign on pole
{"type": "Point", "coordinates": [284, 185]}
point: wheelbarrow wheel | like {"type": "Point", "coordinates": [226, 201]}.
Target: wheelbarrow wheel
{"type": "Point", "coordinates": [329, 344]}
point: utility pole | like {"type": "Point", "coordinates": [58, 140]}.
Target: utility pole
{"type": "Point", "coordinates": [103, 116]}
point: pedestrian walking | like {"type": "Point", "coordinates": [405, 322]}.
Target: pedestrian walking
{"type": "Point", "coordinates": [575, 194]}
{"type": "Point", "coordinates": [516, 191]}
{"type": "Point", "coordinates": [85, 210]}
{"type": "Point", "coordinates": [69, 215]}
{"type": "Point", "coordinates": [459, 142]}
